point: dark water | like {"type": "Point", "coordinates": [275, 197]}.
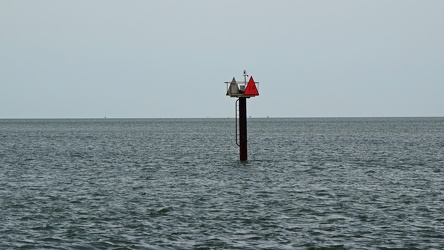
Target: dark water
{"type": "Point", "coordinates": [364, 183]}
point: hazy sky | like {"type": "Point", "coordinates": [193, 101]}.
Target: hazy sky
{"type": "Point", "coordinates": [165, 58]}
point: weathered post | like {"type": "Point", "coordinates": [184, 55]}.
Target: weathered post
{"type": "Point", "coordinates": [243, 129]}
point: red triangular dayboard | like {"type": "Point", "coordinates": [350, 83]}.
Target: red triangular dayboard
{"type": "Point", "coordinates": [251, 88]}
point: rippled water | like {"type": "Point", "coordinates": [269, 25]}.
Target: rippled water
{"type": "Point", "coordinates": [177, 184]}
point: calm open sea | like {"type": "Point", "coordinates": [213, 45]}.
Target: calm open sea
{"type": "Point", "coordinates": [352, 183]}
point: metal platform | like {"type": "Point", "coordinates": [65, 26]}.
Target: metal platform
{"type": "Point", "coordinates": [237, 89]}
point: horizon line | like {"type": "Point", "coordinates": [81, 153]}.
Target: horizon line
{"type": "Point", "coordinates": [230, 117]}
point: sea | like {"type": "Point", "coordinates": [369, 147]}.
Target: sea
{"type": "Point", "coordinates": [309, 183]}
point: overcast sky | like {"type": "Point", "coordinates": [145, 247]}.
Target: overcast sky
{"type": "Point", "coordinates": [165, 58]}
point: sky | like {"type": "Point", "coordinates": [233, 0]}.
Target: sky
{"type": "Point", "coordinates": [170, 58]}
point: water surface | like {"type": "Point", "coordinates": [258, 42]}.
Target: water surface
{"type": "Point", "coordinates": [177, 184]}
